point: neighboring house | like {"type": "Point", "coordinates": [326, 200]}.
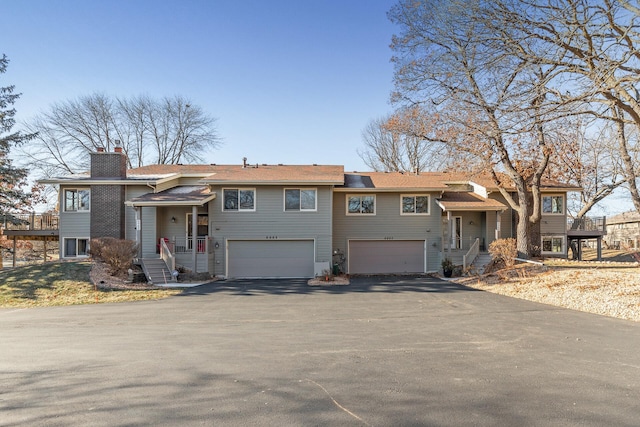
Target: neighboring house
{"type": "Point", "coordinates": [623, 230]}
{"type": "Point", "coordinates": [293, 220]}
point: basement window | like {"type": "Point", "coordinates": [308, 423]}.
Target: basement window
{"type": "Point", "coordinates": [76, 247]}
{"type": "Point", "coordinates": [553, 244]}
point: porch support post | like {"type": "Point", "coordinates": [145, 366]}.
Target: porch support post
{"type": "Point", "coordinates": [194, 237]}
{"type": "Point", "coordinates": [450, 227]}
{"type": "Point", "coordinates": [138, 212]}
{"type": "Point", "coordinates": [498, 225]}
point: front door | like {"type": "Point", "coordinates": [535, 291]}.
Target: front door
{"type": "Point", "coordinates": [456, 232]}
{"type": "Point", "coordinates": [203, 230]}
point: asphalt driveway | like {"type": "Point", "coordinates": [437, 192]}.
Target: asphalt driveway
{"type": "Point", "coordinates": [379, 352]}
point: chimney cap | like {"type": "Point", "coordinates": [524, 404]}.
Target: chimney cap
{"type": "Point", "coordinates": [100, 149]}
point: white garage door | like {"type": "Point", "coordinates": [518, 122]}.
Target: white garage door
{"type": "Point", "coordinates": [386, 256]}
{"type": "Point", "coordinates": [270, 258]}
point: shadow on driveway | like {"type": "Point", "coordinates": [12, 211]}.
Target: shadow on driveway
{"type": "Point", "coordinates": [361, 284]}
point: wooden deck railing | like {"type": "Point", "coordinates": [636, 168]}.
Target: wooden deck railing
{"type": "Point", "coordinates": [30, 222]}
{"type": "Point", "coordinates": [588, 224]}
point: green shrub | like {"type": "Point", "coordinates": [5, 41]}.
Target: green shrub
{"type": "Point", "coordinates": [504, 250]}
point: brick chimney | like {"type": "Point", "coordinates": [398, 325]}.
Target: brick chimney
{"type": "Point", "coordinates": [107, 200]}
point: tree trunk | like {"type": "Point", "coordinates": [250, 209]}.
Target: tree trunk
{"type": "Point", "coordinates": [522, 233]}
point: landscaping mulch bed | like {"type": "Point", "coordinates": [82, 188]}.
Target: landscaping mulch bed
{"type": "Point", "coordinates": [606, 288]}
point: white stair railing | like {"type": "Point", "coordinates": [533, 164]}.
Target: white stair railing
{"type": "Point", "coordinates": [471, 254]}
{"type": "Point", "coordinates": [167, 256]}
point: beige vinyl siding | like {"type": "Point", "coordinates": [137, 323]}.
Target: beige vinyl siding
{"type": "Point", "coordinates": [387, 224]}
{"type": "Point", "coordinates": [269, 221]}
{"type": "Point", "coordinates": [507, 224]}
{"type": "Point", "coordinates": [148, 222]}
{"type": "Point", "coordinates": [72, 224]}
{"type": "Point", "coordinates": [553, 224]}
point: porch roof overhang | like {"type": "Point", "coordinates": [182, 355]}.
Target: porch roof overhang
{"type": "Point", "coordinates": [191, 195]}
{"type": "Point", "coordinates": [464, 201]}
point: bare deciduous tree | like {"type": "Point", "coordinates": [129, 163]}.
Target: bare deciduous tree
{"type": "Point", "coordinates": [594, 48]}
{"type": "Point", "coordinates": [389, 147]}
{"type": "Point", "coordinates": [587, 156]}
{"type": "Point", "coordinates": [163, 131]}
{"type": "Point", "coordinates": [449, 55]}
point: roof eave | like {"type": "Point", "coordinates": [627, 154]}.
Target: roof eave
{"type": "Point", "coordinates": [263, 183]}
{"type": "Point", "coordinates": [152, 203]}
{"type": "Point", "coordinates": [388, 190]}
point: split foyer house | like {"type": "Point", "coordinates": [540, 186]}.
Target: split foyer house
{"type": "Point", "coordinates": [247, 221]}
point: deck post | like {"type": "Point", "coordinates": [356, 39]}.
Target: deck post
{"type": "Point", "coordinates": [14, 251]}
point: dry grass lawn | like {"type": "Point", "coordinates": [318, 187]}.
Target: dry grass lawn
{"type": "Point", "coordinates": [64, 283]}
{"type": "Point", "coordinates": [609, 288]}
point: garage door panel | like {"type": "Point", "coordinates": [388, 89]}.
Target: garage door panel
{"type": "Point", "coordinates": [386, 256]}
{"type": "Point", "coordinates": [281, 258]}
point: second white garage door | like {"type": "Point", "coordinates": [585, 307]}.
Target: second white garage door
{"type": "Point", "coordinates": [386, 256]}
{"type": "Point", "coordinates": [270, 258]}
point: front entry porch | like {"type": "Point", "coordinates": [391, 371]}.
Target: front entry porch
{"type": "Point", "coordinates": [469, 224]}
{"type": "Point", "coordinates": [173, 225]}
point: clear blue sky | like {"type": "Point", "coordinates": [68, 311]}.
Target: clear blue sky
{"type": "Point", "coordinates": [290, 81]}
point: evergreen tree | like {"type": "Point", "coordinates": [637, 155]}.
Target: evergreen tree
{"type": "Point", "coordinates": [13, 180]}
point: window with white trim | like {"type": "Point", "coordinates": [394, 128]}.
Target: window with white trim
{"type": "Point", "coordinates": [361, 204]}
{"type": "Point", "coordinates": [414, 204]}
{"type": "Point", "coordinates": [300, 199]}
{"type": "Point", "coordinates": [553, 244]}
{"type": "Point", "coordinates": [77, 200]}
{"type": "Point", "coordinates": [553, 204]}
{"type": "Point", "coordinates": [76, 247]}
{"type": "Point", "coordinates": [239, 199]}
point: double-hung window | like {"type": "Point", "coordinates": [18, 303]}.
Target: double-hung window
{"type": "Point", "coordinates": [414, 204]}
{"type": "Point", "coordinates": [361, 204]}
{"type": "Point", "coordinates": [77, 200]}
{"type": "Point", "coordinates": [553, 204]}
{"type": "Point", "coordinates": [300, 199]}
{"type": "Point", "coordinates": [239, 199]}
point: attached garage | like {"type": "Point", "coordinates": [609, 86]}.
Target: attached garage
{"type": "Point", "coordinates": [386, 256]}
{"type": "Point", "coordinates": [270, 258]}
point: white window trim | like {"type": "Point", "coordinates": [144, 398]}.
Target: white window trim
{"type": "Point", "coordinates": [77, 189]}
{"type": "Point", "coordinates": [375, 208]}
{"type": "Point", "coordinates": [284, 199]}
{"type": "Point", "coordinates": [64, 246]}
{"type": "Point", "coordinates": [564, 244]}
{"type": "Point", "coordinates": [255, 200]}
{"type": "Point", "coordinates": [564, 200]}
{"type": "Point", "coordinates": [402, 212]}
